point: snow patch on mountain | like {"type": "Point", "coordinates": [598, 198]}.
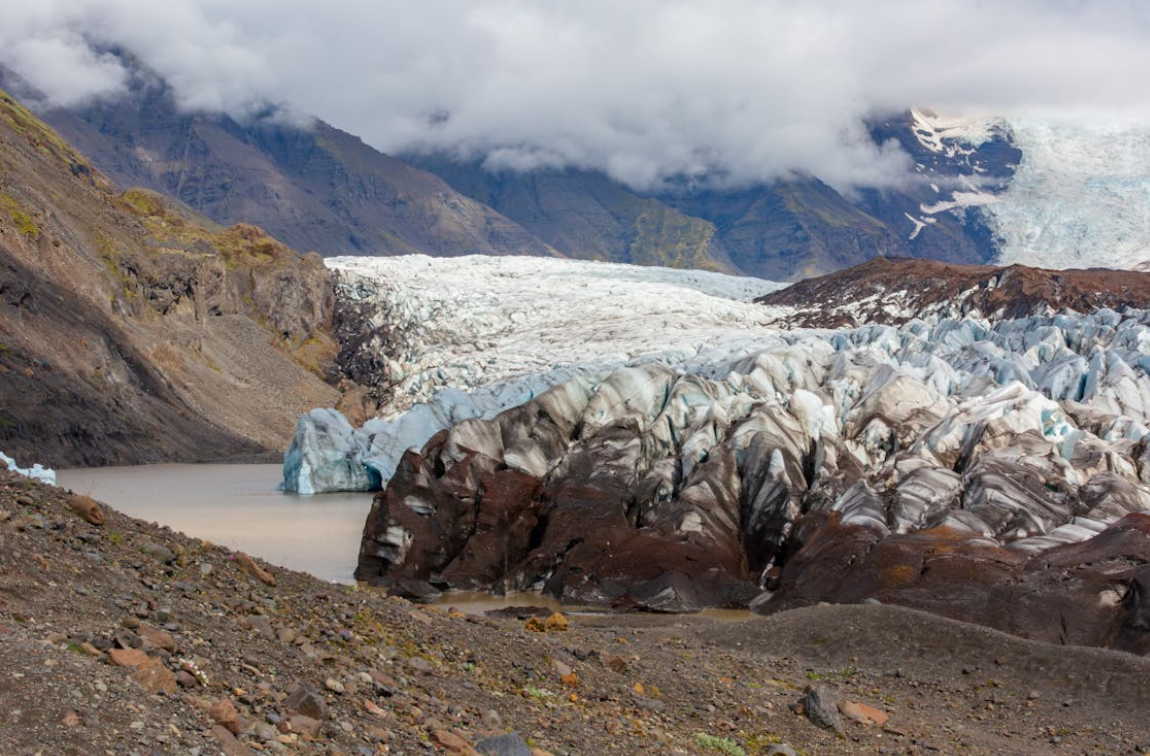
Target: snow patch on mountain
{"type": "Point", "coordinates": [954, 136]}
{"type": "Point", "coordinates": [1079, 199]}
{"type": "Point", "coordinates": [961, 176]}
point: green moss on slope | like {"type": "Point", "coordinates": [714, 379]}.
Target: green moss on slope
{"type": "Point", "coordinates": [43, 139]}
{"type": "Point", "coordinates": [24, 222]}
{"type": "Point", "coordinates": [665, 237]}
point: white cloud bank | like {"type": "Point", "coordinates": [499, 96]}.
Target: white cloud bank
{"type": "Point", "coordinates": [644, 89]}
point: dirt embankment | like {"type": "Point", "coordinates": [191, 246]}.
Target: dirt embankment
{"type": "Point", "coordinates": [126, 637]}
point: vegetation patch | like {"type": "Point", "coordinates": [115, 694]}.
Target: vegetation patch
{"type": "Point", "coordinates": [24, 223]}
{"type": "Point", "coordinates": [43, 139]}
{"type": "Point", "coordinates": [721, 745]}
{"type": "Point", "coordinates": [668, 238]}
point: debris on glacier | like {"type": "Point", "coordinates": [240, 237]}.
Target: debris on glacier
{"type": "Point", "coordinates": [1011, 438]}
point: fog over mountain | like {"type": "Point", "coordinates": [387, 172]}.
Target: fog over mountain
{"type": "Point", "coordinates": [731, 92]}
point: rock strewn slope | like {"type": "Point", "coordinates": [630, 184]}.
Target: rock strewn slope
{"type": "Point", "coordinates": [133, 333]}
{"type": "Point", "coordinates": [128, 636]}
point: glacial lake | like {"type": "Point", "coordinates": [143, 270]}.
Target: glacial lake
{"type": "Point", "coordinates": [237, 506]}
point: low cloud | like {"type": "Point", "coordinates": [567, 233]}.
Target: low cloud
{"type": "Point", "coordinates": [649, 90]}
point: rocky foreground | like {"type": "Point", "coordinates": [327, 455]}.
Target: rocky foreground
{"type": "Point", "coordinates": [124, 637]}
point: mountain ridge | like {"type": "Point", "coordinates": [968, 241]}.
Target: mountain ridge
{"type": "Point", "coordinates": [312, 186]}
{"type": "Point", "coordinates": [893, 291]}
{"type": "Point", "coordinates": [131, 332]}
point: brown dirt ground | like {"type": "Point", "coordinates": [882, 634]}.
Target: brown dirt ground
{"type": "Point", "coordinates": [393, 674]}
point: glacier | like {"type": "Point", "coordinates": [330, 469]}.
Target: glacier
{"type": "Point", "coordinates": [469, 337]}
{"type": "Point", "coordinates": [36, 471]}
{"type": "Point", "coordinates": [1079, 198]}
{"type": "Point", "coordinates": [479, 337]}
{"type": "Point", "coordinates": [1012, 437]}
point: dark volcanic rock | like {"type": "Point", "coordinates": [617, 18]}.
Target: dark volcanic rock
{"type": "Point", "coordinates": [820, 707]}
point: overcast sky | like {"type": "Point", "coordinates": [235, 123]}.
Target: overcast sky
{"type": "Point", "coordinates": [643, 89]}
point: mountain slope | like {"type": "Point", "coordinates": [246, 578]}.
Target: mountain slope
{"type": "Point", "coordinates": [895, 291]}
{"type": "Point", "coordinates": [586, 215]}
{"type": "Point", "coordinates": [784, 230]}
{"type": "Point", "coordinates": [309, 184]}
{"type": "Point", "coordinates": [130, 333]}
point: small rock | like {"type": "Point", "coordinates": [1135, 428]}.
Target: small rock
{"type": "Point", "coordinates": [248, 565]}
{"type": "Point", "coordinates": [223, 713]}
{"type": "Point", "coordinates": [617, 664]}
{"type": "Point", "coordinates": [186, 679]}
{"type": "Point", "coordinates": [127, 657]}
{"type": "Point", "coordinates": [304, 725]}
{"type": "Point", "coordinates": [308, 702]}
{"type": "Point", "coordinates": [416, 591]}
{"type": "Point", "coordinates": [419, 664]}
{"type": "Point", "coordinates": [781, 749]}
{"type": "Point", "coordinates": [262, 625]}
{"type": "Point", "coordinates": [158, 638]}
{"type": "Point", "coordinates": [158, 552]}
{"type": "Point", "coordinates": [90, 650]}
{"type": "Point", "coordinates": [492, 720]}
{"type": "Point", "coordinates": [555, 623]}
{"type": "Point", "coordinates": [820, 707]}
{"type": "Point", "coordinates": [863, 714]}
{"type": "Point", "coordinates": [504, 745]}
{"type": "Point", "coordinates": [335, 686]}
{"type": "Point", "coordinates": [87, 508]}
{"type": "Point", "coordinates": [154, 677]}
{"type": "Point", "coordinates": [374, 710]}
{"type": "Point", "coordinates": [71, 719]}
{"type": "Point", "coordinates": [228, 743]}
{"type": "Point", "coordinates": [451, 742]}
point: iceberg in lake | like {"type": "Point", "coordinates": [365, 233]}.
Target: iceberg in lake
{"type": "Point", "coordinates": [36, 471]}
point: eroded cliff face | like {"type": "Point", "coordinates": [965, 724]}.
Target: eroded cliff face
{"type": "Point", "coordinates": [133, 331]}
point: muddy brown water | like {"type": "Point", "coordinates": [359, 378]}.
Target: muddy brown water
{"type": "Point", "coordinates": [239, 506]}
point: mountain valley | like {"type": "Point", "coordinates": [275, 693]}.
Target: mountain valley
{"type": "Point", "coordinates": [900, 429]}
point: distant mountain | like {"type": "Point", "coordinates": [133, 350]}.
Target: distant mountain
{"type": "Point", "coordinates": [785, 230]}
{"type": "Point", "coordinates": [316, 187]}
{"type": "Point", "coordinates": [586, 215]}
{"type": "Point", "coordinates": [309, 184]}
{"type": "Point", "coordinates": [133, 331]}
